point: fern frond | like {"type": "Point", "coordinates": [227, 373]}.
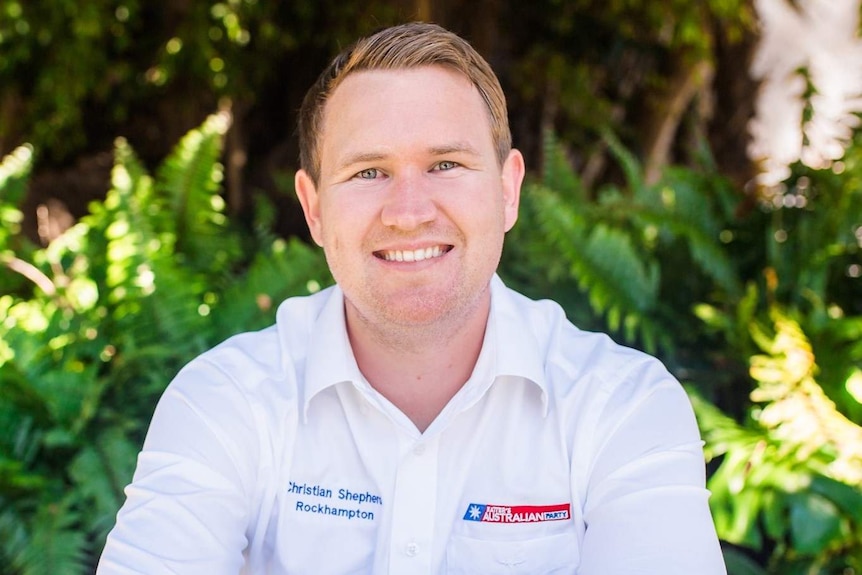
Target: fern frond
{"type": "Point", "coordinates": [16, 481]}
{"type": "Point", "coordinates": [13, 533]}
{"type": "Point", "coordinates": [153, 298]}
{"type": "Point", "coordinates": [57, 545]}
{"type": "Point", "coordinates": [173, 312]}
{"type": "Point", "coordinates": [618, 278]}
{"type": "Point", "coordinates": [17, 392]}
{"type": "Point", "coordinates": [691, 214]}
{"type": "Point", "coordinates": [99, 472]}
{"type": "Point", "coordinates": [705, 248]}
{"type": "Point", "coordinates": [118, 235]}
{"type": "Point", "coordinates": [557, 171]}
{"type": "Point", "coordinates": [628, 162]}
{"type": "Point", "coordinates": [190, 178]}
{"type": "Point", "coordinates": [286, 269]}
{"type": "Point", "coordinates": [621, 283]}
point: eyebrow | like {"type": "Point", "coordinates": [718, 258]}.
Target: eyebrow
{"type": "Point", "coordinates": [456, 148]}
{"type": "Point", "coordinates": [444, 150]}
{"type": "Point", "coordinates": [360, 158]}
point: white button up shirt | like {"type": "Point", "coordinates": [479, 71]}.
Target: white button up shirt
{"type": "Point", "coordinates": [563, 453]}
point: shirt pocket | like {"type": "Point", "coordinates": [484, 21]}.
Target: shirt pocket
{"type": "Point", "coordinates": [553, 554]}
{"type": "Point", "coordinates": [323, 542]}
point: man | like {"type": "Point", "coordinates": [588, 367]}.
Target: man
{"type": "Point", "coordinates": [419, 417]}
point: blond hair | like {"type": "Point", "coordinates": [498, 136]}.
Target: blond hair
{"type": "Point", "coordinates": [404, 46]}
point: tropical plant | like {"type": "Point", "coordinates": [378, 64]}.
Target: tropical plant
{"type": "Point", "coordinates": [788, 470]}
{"type": "Point", "coordinates": [614, 257]}
{"type": "Point", "coordinates": [734, 303]}
{"type": "Point", "coordinates": [787, 481]}
{"type": "Point", "coordinates": [152, 69]}
{"type": "Point", "coordinates": [94, 326]}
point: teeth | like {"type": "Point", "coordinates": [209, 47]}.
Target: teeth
{"type": "Point", "coordinates": [412, 255]}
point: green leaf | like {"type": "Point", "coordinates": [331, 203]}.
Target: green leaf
{"type": "Point", "coordinates": [18, 390]}
{"type": "Point", "coordinates": [629, 163]}
{"type": "Point", "coordinates": [285, 269]}
{"type": "Point", "coordinates": [738, 563]}
{"type": "Point", "coordinates": [100, 472]}
{"type": "Point", "coordinates": [621, 277]}
{"type": "Point", "coordinates": [14, 170]}
{"type": "Point", "coordinates": [191, 177]}
{"type": "Point", "coordinates": [814, 523]}
{"type": "Point", "coordinates": [15, 480]}
{"type": "Point", "coordinates": [13, 534]}
{"type": "Point", "coordinates": [846, 497]}
{"type": "Point", "coordinates": [744, 530]}
{"type": "Point", "coordinates": [557, 173]}
{"type": "Point", "coordinates": [56, 546]}
{"type": "Point", "coordinates": [774, 515]}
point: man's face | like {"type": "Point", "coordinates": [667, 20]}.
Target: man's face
{"type": "Point", "coordinates": [411, 205]}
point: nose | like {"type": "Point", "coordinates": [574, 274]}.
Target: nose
{"type": "Point", "coordinates": [409, 203]}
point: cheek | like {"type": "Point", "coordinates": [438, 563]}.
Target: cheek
{"type": "Point", "coordinates": [342, 228]}
{"type": "Point", "coordinates": [331, 241]}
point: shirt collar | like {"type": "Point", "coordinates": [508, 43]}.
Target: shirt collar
{"type": "Point", "coordinates": [330, 358]}
{"type": "Point", "coordinates": [518, 351]}
{"type": "Point", "coordinates": [510, 348]}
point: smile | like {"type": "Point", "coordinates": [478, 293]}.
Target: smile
{"type": "Point", "coordinates": [413, 255]}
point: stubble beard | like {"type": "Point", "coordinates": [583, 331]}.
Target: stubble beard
{"type": "Point", "coordinates": [419, 323]}
{"type": "Point", "coordinates": [414, 319]}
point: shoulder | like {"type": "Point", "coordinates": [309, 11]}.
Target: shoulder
{"type": "Point", "coordinates": [274, 348]}
{"type": "Point", "coordinates": [598, 389]}
{"type": "Point", "coordinates": [261, 364]}
{"type": "Point", "coordinates": [580, 364]}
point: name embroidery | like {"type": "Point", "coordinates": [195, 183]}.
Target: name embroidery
{"type": "Point", "coordinates": [355, 501]}
{"type": "Point", "coordinates": [487, 513]}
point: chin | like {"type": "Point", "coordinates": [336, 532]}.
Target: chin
{"type": "Point", "coordinates": [416, 317]}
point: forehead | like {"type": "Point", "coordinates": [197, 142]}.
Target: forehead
{"type": "Point", "coordinates": [402, 105]}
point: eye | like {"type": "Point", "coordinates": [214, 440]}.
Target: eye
{"type": "Point", "coordinates": [368, 174]}
{"type": "Point", "coordinates": [446, 165]}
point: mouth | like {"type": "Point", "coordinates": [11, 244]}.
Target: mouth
{"type": "Point", "coordinates": [413, 255]}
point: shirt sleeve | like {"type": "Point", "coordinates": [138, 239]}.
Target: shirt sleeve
{"type": "Point", "coordinates": [187, 508]}
{"type": "Point", "coordinates": [646, 510]}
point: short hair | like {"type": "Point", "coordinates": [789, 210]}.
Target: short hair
{"type": "Point", "coordinates": [404, 46]}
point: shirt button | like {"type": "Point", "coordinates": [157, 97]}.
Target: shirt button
{"type": "Point", "coordinates": [412, 549]}
{"type": "Point", "coordinates": [419, 449]}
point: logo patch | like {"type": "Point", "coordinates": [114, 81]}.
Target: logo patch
{"type": "Point", "coordinates": [487, 513]}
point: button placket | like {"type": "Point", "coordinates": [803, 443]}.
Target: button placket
{"type": "Point", "coordinates": [414, 510]}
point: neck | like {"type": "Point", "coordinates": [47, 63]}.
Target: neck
{"type": "Point", "coordinates": [419, 368]}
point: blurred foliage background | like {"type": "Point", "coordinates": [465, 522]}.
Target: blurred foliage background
{"type": "Point", "coordinates": [147, 214]}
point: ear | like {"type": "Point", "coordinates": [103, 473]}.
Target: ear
{"type": "Point", "coordinates": [306, 192]}
{"type": "Point", "coordinates": [513, 177]}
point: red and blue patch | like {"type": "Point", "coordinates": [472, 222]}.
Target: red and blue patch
{"type": "Point", "coordinates": [487, 513]}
